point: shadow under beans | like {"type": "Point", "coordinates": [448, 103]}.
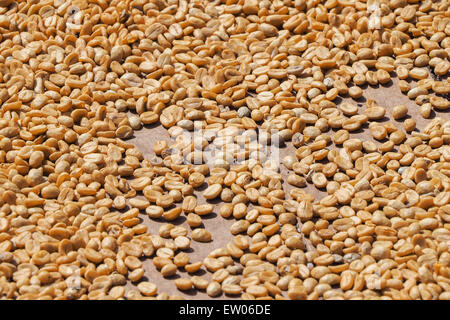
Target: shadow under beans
{"type": "Point", "coordinates": [144, 278]}
{"type": "Point", "coordinates": [230, 217]}
{"type": "Point", "coordinates": [209, 216]}
{"type": "Point", "coordinates": [323, 189]}
{"type": "Point", "coordinates": [191, 292]}
{"type": "Point", "coordinates": [361, 100]}
{"type": "Point", "coordinates": [173, 277]}
{"type": "Point", "coordinates": [124, 209]}
{"type": "Point", "coordinates": [445, 96]}
{"type": "Point", "coordinates": [152, 125]}
{"type": "Point", "coordinates": [361, 129]}
{"type": "Point", "coordinates": [202, 187]}
{"type": "Point", "coordinates": [188, 250]}
{"type": "Point", "coordinates": [179, 220]}
{"type": "Point", "coordinates": [215, 201]}
{"type": "Point", "coordinates": [433, 115]}
{"type": "Point", "coordinates": [438, 113]}
{"type": "Point", "coordinates": [387, 84]}
{"type": "Point", "coordinates": [409, 80]}
{"type": "Point", "coordinates": [407, 116]}
{"type": "Point", "coordinates": [384, 119]}
{"type": "Point", "coordinates": [338, 100]}
{"type": "Point", "coordinates": [364, 86]}
{"type": "Point", "coordinates": [381, 141]}
{"type": "Point", "coordinates": [199, 272]}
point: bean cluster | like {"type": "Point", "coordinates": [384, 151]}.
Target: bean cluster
{"type": "Point", "coordinates": [78, 78]}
